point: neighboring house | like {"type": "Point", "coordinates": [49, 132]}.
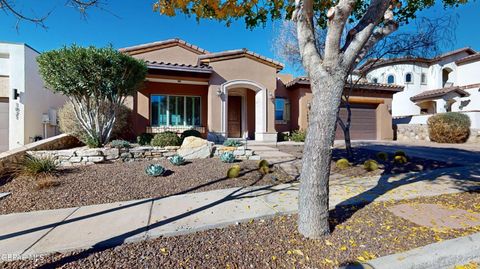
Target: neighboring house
{"type": "Point", "coordinates": [27, 109]}
{"type": "Point", "coordinates": [238, 94]}
{"type": "Point", "coordinates": [449, 82]}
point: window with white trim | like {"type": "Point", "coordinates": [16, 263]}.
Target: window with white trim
{"type": "Point", "coordinates": [423, 79]}
{"type": "Point", "coordinates": [282, 110]}
{"type": "Point", "coordinates": [408, 78]}
{"type": "Point", "coordinates": [173, 110]}
{"type": "Point", "coordinates": [390, 79]}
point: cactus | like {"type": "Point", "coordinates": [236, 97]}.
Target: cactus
{"type": "Point", "coordinates": [263, 163]}
{"type": "Point", "coordinates": [227, 157]}
{"type": "Point", "coordinates": [232, 143]}
{"type": "Point", "coordinates": [264, 170]}
{"type": "Point", "coordinates": [342, 163]}
{"type": "Point", "coordinates": [177, 160]}
{"type": "Point", "coordinates": [382, 156]}
{"type": "Point", "coordinates": [155, 170]}
{"type": "Point", "coordinates": [400, 159]}
{"type": "Point", "coordinates": [234, 171]}
{"type": "Point", "coordinates": [370, 165]}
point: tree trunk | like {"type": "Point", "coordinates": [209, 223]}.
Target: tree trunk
{"type": "Point", "coordinates": [314, 180]}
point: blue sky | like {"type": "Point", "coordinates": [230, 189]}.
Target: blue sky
{"type": "Point", "coordinates": [124, 23]}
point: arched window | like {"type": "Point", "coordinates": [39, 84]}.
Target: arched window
{"type": "Point", "coordinates": [408, 78]}
{"type": "Point", "coordinates": [391, 79]}
{"type": "Point", "coordinates": [375, 80]}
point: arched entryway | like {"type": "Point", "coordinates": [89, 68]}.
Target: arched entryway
{"type": "Point", "coordinates": [236, 91]}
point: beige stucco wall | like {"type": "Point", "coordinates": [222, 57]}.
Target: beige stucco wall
{"type": "Point", "coordinates": [4, 86]}
{"type": "Point", "coordinates": [175, 54]}
{"type": "Point", "coordinates": [234, 69]}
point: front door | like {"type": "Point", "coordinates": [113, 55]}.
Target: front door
{"type": "Point", "coordinates": [235, 116]}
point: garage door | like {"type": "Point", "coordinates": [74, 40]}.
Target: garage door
{"type": "Point", "coordinates": [3, 124]}
{"type": "Point", "coordinates": [363, 125]}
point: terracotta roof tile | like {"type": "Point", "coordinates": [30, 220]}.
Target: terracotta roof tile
{"type": "Point", "coordinates": [438, 93]}
{"type": "Point", "coordinates": [240, 52]}
{"type": "Point", "coordinates": [162, 43]}
{"type": "Point", "coordinates": [179, 67]}
{"type": "Point", "coordinates": [364, 85]}
{"type": "Point", "coordinates": [468, 58]}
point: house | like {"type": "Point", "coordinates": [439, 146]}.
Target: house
{"type": "Point", "coordinates": [238, 94]}
{"type": "Point", "coordinates": [449, 82]}
{"type": "Point", "coordinates": [27, 109]}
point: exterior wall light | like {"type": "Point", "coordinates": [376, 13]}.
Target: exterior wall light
{"type": "Point", "coordinates": [15, 94]}
{"type": "Point", "coordinates": [271, 96]}
{"type": "Point", "coordinates": [219, 92]}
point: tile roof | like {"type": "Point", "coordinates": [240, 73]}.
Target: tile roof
{"type": "Point", "coordinates": [438, 93]}
{"type": "Point", "coordinates": [163, 43]}
{"type": "Point", "coordinates": [359, 85]}
{"type": "Point", "coordinates": [468, 58]}
{"type": "Point", "coordinates": [179, 67]}
{"type": "Point", "coordinates": [240, 52]}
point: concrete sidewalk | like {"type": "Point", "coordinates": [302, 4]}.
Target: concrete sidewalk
{"type": "Point", "coordinates": [28, 234]}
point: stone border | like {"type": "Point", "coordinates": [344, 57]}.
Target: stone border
{"type": "Point", "coordinates": [419, 132]}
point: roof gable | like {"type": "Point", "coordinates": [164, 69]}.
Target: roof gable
{"type": "Point", "coordinates": [142, 48]}
{"type": "Point", "coordinates": [233, 54]}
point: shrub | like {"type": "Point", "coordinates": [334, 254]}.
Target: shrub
{"type": "Point", "coordinates": [188, 133]}
{"type": "Point", "coordinates": [282, 136]}
{"type": "Point", "coordinates": [177, 160]}
{"type": "Point", "coordinates": [120, 144]}
{"type": "Point", "coordinates": [68, 123]}
{"type": "Point", "coordinates": [342, 163]}
{"type": "Point", "coordinates": [450, 127]}
{"type": "Point", "coordinates": [33, 166]}
{"type": "Point", "coordinates": [298, 135]}
{"type": "Point", "coordinates": [370, 165]}
{"type": "Point", "coordinates": [166, 139]}
{"type": "Point", "coordinates": [400, 153]}
{"type": "Point", "coordinates": [232, 143]}
{"type": "Point", "coordinates": [47, 182]}
{"type": "Point", "coordinates": [155, 170]}
{"type": "Point", "coordinates": [263, 163]}
{"type": "Point", "coordinates": [144, 139]}
{"type": "Point", "coordinates": [92, 142]}
{"type": "Point", "coordinates": [382, 156]}
{"type": "Point", "coordinates": [400, 159]}
{"type": "Point", "coordinates": [234, 171]}
{"type": "Point", "coordinates": [227, 157]}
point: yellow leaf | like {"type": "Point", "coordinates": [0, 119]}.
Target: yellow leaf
{"type": "Point", "coordinates": [361, 259]}
{"type": "Point", "coordinates": [295, 251]}
{"type": "Point", "coordinates": [328, 243]}
{"type": "Point", "coordinates": [343, 248]}
{"type": "Point", "coordinates": [328, 261]}
{"type": "Point", "coordinates": [274, 258]}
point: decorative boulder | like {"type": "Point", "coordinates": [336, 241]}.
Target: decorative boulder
{"type": "Point", "coordinates": [195, 148]}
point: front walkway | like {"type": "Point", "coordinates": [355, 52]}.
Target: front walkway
{"type": "Point", "coordinates": [29, 234]}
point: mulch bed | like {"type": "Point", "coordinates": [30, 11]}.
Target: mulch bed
{"type": "Point", "coordinates": [112, 182]}
{"type": "Point", "coordinates": [360, 155]}
{"type": "Point", "coordinates": [359, 234]}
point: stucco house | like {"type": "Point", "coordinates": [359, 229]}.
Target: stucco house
{"type": "Point", "coordinates": [449, 82]}
{"type": "Point", "coordinates": [27, 108]}
{"type": "Point", "coordinates": [238, 94]}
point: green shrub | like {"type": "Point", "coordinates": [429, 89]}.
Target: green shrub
{"type": "Point", "coordinates": [234, 171]}
{"type": "Point", "coordinates": [177, 160]}
{"type": "Point", "coordinates": [400, 153]}
{"type": "Point", "coordinates": [263, 163]}
{"type": "Point", "coordinates": [370, 165]}
{"type": "Point", "coordinates": [400, 159]}
{"type": "Point", "coordinates": [227, 157]}
{"type": "Point", "coordinates": [166, 139]}
{"type": "Point", "coordinates": [92, 142]}
{"type": "Point", "coordinates": [120, 144]}
{"type": "Point", "coordinates": [382, 156]}
{"type": "Point", "coordinates": [232, 143]}
{"type": "Point", "coordinates": [155, 170]}
{"type": "Point", "coordinates": [33, 166]}
{"type": "Point", "coordinates": [282, 137]}
{"type": "Point", "coordinates": [298, 135]}
{"type": "Point", "coordinates": [450, 127]}
{"type": "Point", "coordinates": [144, 139]}
{"type": "Point", "coordinates": [342, 163]}
{"type": "Point", "coordinates": [188, 133]}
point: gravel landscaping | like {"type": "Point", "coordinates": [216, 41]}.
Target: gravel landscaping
{"type": "Point", "coordinates": [372, 231]}
{"type": "Point", "coordinates": [111, 182]}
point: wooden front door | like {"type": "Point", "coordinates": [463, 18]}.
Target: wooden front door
{"type": "Point", "coordinates": [235, 116]}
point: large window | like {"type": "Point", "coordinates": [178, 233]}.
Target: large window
{"type": "Point", "coordinates": [282, 110]}
{"type": "Point", "coordinates": [171, 110]}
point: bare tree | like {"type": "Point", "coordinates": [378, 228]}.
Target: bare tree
{"type": "Point", "coordinates": [9, 7]}
{"type": "Point", "coordinates": [426, 38]}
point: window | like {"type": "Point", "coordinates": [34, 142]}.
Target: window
{"type": "Point", "coordinates": [282, 110]}
{"type": "Point", "coordinates": [375, 80]}
{"type": "Point", "coordinates": [391, 79]}
{"type": "Point", "coordinates": [423, 79]}
{"type": "Point", "coordinates": [170, 110]}
{"type": "Point", "coordinates": [408, 78]}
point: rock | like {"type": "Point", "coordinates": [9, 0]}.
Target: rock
{"type": "Point", "coordinates": [89, 152]}
{"type": "Point", "coordinates": [111, 154]}
{"type": "Point", "coordinates": [96, 159]}
{"type": "Point", "coordinates": [195, 148]}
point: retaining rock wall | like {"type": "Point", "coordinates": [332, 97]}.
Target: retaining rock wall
{"type": "Point", "coordinates": [419, 132]}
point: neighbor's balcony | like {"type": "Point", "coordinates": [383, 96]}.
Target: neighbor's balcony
{"type": "Point", "coordinates": [175, 129]}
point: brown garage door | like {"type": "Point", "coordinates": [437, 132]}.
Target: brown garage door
{"type": "Point", "coordinates": [364, 122]}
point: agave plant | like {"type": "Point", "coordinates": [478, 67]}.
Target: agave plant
{"type": "Point", "coordinates": [155, 170]}
{"type": "Point", "coordinates": [227, 157]}
{"type": "Point", "coordinates": [176, 160]}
